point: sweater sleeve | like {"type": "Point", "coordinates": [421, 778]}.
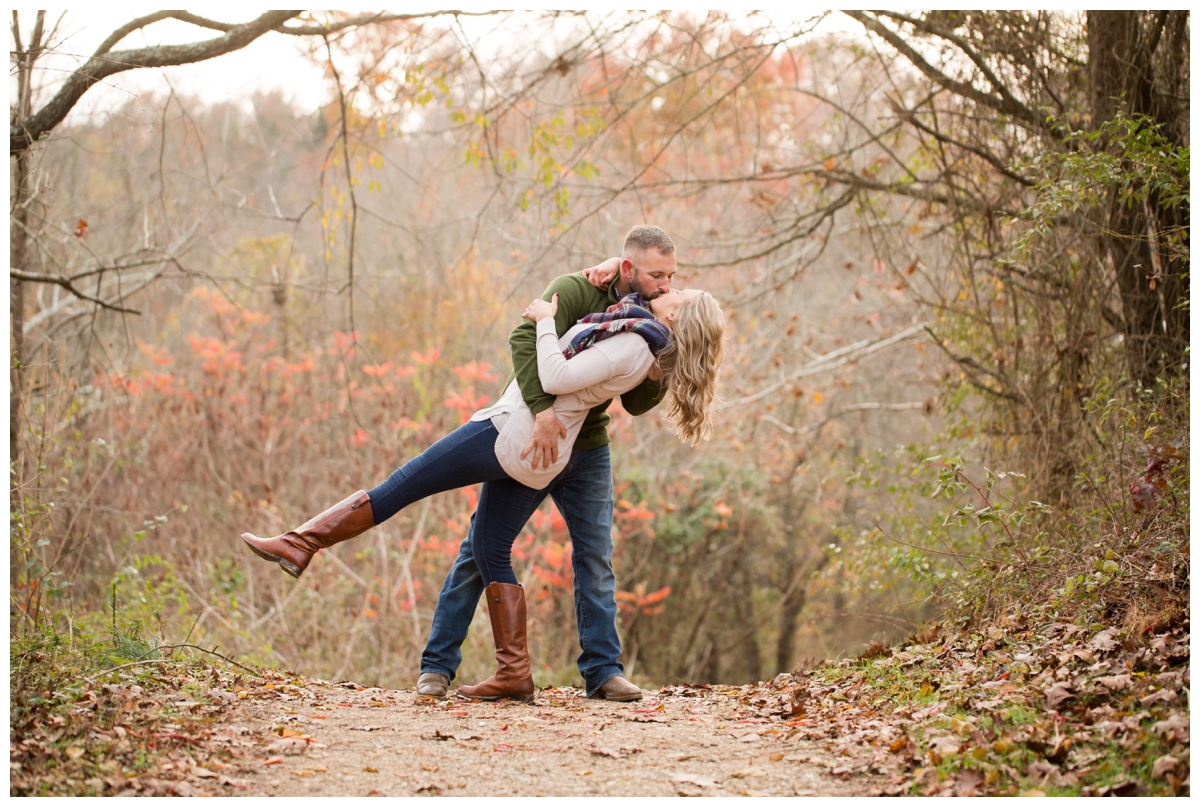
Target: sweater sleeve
{"type": "Point", "coordinates": [560, 376]}
{"type": "Point", "coordinates": [644, 397]}
{"type": "Point", "coordinates": [572, 303]}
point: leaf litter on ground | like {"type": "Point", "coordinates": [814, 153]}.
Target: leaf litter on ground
{"type": "Point", "coordinates": [1016, 709]}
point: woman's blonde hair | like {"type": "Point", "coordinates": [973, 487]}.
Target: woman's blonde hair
{"type": "Point", "coordinates": [689, 366]}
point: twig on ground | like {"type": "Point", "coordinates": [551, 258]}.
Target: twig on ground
{"type": "Point", "coordinates": [165, 660]}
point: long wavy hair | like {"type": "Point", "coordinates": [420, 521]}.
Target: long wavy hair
{"type": "Point", "coordinates": [690, 364]}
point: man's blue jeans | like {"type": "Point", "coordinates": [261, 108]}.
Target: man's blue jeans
{"type": "Point", "coordinates": [583, 494]}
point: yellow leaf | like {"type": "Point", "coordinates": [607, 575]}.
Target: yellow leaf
{"type": "Point", "coordinates": [818, 397]}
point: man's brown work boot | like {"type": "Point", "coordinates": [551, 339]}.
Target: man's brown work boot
{"type": "Point", "coordinates": [512, 679]}
{"type": "Point", "coordinates": [433, 684]}
{"type": "Point", "coordinates": [295, 548]}
{"type": "Point", "coordinates": [618, 688]}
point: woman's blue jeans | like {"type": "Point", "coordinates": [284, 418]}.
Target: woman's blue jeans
{"type": "Point", "coordinates": [583, 494]}
{"type": "Point", "coordinates": [466, 456]}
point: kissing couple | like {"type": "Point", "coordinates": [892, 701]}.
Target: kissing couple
{"type": "Point", "coordinates": [618, 329]}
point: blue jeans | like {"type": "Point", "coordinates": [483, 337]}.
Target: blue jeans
{"type": "Point", "coordinates": [465, 456]}
{"type": "Point", "coordinates": [583, 494]}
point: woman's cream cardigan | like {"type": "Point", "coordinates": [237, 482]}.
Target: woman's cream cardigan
{"type": "Point", "coordinates": [605, 370]}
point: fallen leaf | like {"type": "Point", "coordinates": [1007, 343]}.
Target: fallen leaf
{"type": "Point", "coordinates": [1104, 641]}
{"type": "Point", "coordinates": [946, 746]}
{"type": "Point", "coordinates": [1004, 745]}
{"type": "Point", "coordinates": [1058, 693]}
{"type": "Point", "coordinates": [75, 752]}
{"type": "Point", "coordinates": [1040, 768]}
{"type": "Point", "coordinates": [303, 773]}
{"type": "Point", "coordinates": [1115, 683]}
{"type": "Point", "coordinates": [1034, 793]}
{"type": "Point", "coordinates": [693, 779]}
{"type": "Point", "coordinates": [747, 773]}
{"type": "Point", "coordinates": [318, 768]}
{"type": "Point", "coordinates": [369, 769]}
{"type": "Point", "coordinates": [644, 718]}
{"type": "Point", "coordinates": [1164, 765]}
{"type": "Point", "coordinates": [1129, 787]}
{"type": "Point", "coordinates": [430, 768]}
{"type": "Point", "coordinates": [366, 728]}
{"type": "Point", "coordinates": [776, 757]}
{"type": "Point", "coordinates": [272, 761]}
{"type": "Point", "coordinates": [204, 773]}
{"type": "Point", "coordinates": [1175, 724]}
{"type": "Point", "coordinates": [968, 783]}
{"type": "Point", "coordinates": [615, 753]}
{"type": "Point", "coordinates": [1162, 696]}
{"type": "Point", "coordinates": [289, 745]}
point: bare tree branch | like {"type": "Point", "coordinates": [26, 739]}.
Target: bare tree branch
{"type": "Point", "coordinates": [910, 116]}
{"type": "Point", "coordinates": [1000, 104]}
{"type": "Point", "coordinates": [366, 19]}
{"type": "Point", "coordinates": [1014, 106]}
{"type": "Point", "coordinates": [866, 406]}
{"type": "Point", "coordinates": [830, 361]}
{"type": "Point", "coordinates": [24, 132]}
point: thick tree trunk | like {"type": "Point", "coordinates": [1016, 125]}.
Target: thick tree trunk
{"type": "Point", "coordinates": [1122, 53]}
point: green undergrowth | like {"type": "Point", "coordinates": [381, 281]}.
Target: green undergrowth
{"type": "Point", "coordinates": [114, 715]}
{"type": "Point", "coordinates": [1027, 705]}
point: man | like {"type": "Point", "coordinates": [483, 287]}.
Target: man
{"type": "Point", "coordinates": [582, 491]}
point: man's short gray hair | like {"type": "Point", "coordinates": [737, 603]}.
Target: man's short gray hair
{"type": "Point", "coordinates": [647, 236]}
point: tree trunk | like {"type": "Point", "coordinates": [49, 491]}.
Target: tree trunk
{"type": "Point", "coordinates": [789, 620]}
{"type": "Point", "coordinates": [1122, 47]}
{"type": "Point", "coordinates": [18, 247]}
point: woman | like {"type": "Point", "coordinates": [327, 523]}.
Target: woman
{"type": "Point", "coordinates": [676, 338]}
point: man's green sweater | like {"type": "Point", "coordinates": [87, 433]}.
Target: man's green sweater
{"type": "Point", "coordinates": [576, 299]}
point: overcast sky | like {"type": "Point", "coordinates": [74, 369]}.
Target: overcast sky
{"type": "Point", "coordinates": [272, 61]}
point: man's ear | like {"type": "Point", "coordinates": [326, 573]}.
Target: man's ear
{"type": "Point", "coordinates": [627, 268]}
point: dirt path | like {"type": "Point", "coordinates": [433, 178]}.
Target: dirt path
{"type": "Point", "coordinates": [360, 742]}
{"type": "Point", "coordinates": [1052, 708]}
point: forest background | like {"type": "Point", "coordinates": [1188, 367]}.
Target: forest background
{"type": "Point", "coordinates": [953, 250]}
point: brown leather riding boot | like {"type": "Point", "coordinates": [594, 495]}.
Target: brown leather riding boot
{"type": "Point", "coordinates": [295, 548]}
{"type": "Point", "coordinates": [506, 607]}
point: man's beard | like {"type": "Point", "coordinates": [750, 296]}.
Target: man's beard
{"type": "Point", "coordinates": [635, 284]}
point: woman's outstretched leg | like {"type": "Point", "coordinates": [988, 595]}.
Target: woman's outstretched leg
{"type": "Point", "coordinates": [504, 507]}
{"type": "Point", "coordinates": [466, 456]}
{"type": "Point", "coordinates": [295, 548]}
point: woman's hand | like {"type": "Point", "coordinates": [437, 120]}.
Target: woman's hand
{"type": "Point", "coordinates": [539, 309]}
{"type": "Point", "coordinates": [602, 274]}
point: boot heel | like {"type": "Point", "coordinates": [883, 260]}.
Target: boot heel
{"type": "Point", "coordinates": [290, 568]}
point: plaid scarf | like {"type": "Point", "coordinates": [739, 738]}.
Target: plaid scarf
{"type": "Point", "coordinates": [632, 314]}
